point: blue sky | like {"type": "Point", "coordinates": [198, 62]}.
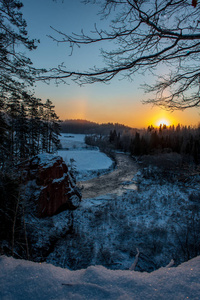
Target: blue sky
{"type": "Point", "coordinates": [119, 101]}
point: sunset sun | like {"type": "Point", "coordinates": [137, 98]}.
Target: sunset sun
{"type": "Point", "coordinates": [162, 122]}
{"type": "Point", "coordinates": [160, 117]}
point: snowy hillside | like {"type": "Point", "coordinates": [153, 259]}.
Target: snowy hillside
{"type": "Point", "coordinates": [141, 209]}
{"type": "Point", "coordinates": [21, 280]}
{"type": "Point", "coordinates": [160, 218]}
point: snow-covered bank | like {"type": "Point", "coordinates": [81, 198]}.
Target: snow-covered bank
{"type": "Point", "coordinates": [21, 279]}
{"type": "Point", "coordinates": [87, 161]}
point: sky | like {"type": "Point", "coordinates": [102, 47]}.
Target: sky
{"type": "Point", "coordinates": [120, 101]}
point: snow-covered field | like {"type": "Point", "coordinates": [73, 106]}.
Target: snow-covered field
{"type": "Point", "coordinates": [87, 161]}
{"type": "Point", "coordinates": [21, 280]}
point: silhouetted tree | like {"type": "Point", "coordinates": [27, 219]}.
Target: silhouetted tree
{"type": "Point", "coordinates": [4, 129]}
{"type": "Point", "coordinates": [12, 109]}
{"type": "Point", "coordinates": [113, 136]}
{"type": "Point", "coordinates": [34, 124]}
{"type": "Point", "coordinates": [137, 144]}
{"type": "Point", "coordinates": [51, 128]}
{"type": "Point", "coordinates": [144, 147]}
{"type": "Point", "coordinates": [16, 71]}
{"type": "Point", "coordinates": [154, 140]}
{"type": "Point", "coordinates": [22, 131]}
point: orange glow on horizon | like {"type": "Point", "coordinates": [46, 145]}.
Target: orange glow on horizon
{"type": "Point", "coordinates": [135, 115]}
{"type": "Point", "coordinates": [162, 118]}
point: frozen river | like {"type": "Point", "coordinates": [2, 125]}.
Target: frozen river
{"type": "Point", "coordinates": [96, 175]}
{"type": "Point", "coordinates": [115, 182]}
{"type": "Point", "coordinates": [89, 162]}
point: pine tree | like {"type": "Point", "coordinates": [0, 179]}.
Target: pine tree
{"type": "Point", "coordinates": [137, 146]}
{"type": "Point", "coordinates": [16, 71]}
{"type": "Point", "coordinates": [34, 124]}
{"type": "Point", "coordinates": [55, 126]}
{"type": "Point", "coordinates": [22, 132]}
{"type": "Point", "coordinates": [12, 110]}
{"type": "Point", "coordinates": [3, 133]}
{"type": "Point", "coordinates": [51, 128]}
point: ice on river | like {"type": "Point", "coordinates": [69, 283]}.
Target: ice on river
{"type": "Point", "coordinates": [88, 162]}
{"type": "Point", "coordinates": [72, 141]}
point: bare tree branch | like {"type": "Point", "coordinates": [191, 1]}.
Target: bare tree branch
{"type": "Point", "coordinates": [145, 34]}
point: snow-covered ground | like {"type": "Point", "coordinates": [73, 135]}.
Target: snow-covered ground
{"type": "Point", "coordinates": [161, 219]}
{"type": "Point", "coordinates": [87, 161]}
{"type": "Point", "coordinates": [20, 280]}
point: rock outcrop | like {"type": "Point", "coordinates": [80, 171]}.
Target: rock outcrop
{"type": "Point", "coordinates": [55, 188]}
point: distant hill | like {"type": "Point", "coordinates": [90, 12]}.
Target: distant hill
{"type": "Point", "coordinates": [87, 127]}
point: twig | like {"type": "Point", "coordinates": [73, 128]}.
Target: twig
{"type": "Point", "coordinates": [13, 227]}
{"type": "Point", "coordinates": [170, 264]}
{"type": "Point", "coordinates": [25, 235]}
{"type": "Point", "coordinates": [133, 266]}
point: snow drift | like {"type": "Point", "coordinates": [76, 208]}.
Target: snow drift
{"type": "Point", "coordinates": [21, 279]}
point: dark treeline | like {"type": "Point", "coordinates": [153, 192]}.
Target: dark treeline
{"type": "Point", "coordinates": [87, 127]}
{"type": "Point", "coordinates": [180, 139]}
{"type": "Point", "coordinates": [27, 127]}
